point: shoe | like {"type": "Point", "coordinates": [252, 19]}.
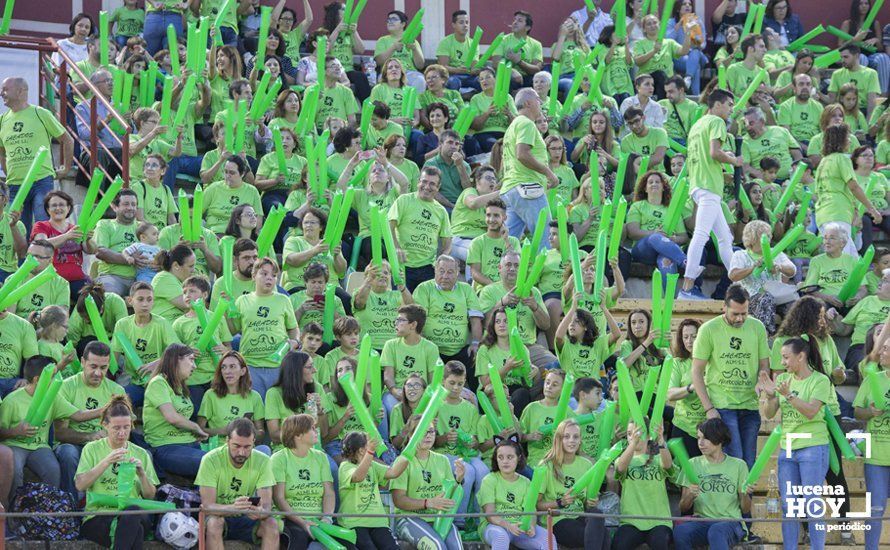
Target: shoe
{"type": "Point", "coordinates": [693, 294]}
{"type": "Point", "coordinates": [753, 539]}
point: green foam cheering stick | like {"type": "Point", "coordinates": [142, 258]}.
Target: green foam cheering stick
{"type": "Point", "coordinates": [649, 387]}
{"type": "Point", "coordinates": [762, 458]}
{"type": "Point", "coordinates": [426, 420]}
{"type": "Point", "coordinates": [103, 38]}
{"type": "Point", "coordinates": [173, 48]}
{"type": "Point", "coordinates": [873, 379]}
{"type": "Point", "coordinates": [473, 49]}
{"type": "Point", "coordinates": [391, 253]}
{"type": "Point", "coordinates": [206, 338]}
{"type": "Point", "coordinates": [357, 12]}
{"type": "Point", "coordinates": [500, 396]}
{"type": "Point", "coordinates": [361, 410]}
{"type": "Point", "coordinates": [669, 294]}
{"type": "Point", "coordinates": [43, 383]}
{"type": "Point", "coordinates": [617, 228]}
{"type": "Point", "coordinates": [620, 18]}
{"type": "Point", "coordinates": [826, 60]}
{"type": "Point", "coordinates": [758, 19]}
{"type": "Point", "coordinates": [36, 282]}
{"type": "Point", "coordinates": [129, 351]}
{"type": "Point", "coordinates": [529, 503]}
{"type": "Point", "coordinates": [575, 257]}
{"type": "Point", "coordinates": [89, 200]}
{"type": "Point", "coordinates": [325, 539]}
{"type": "Point", "coordinates": [412, 30]}
{"type": "Point", "coordinates": [492, 48]}
{"type": "Point", "coordinates": [15, 280]}
{"type": "Point", "coordinates": [490, 415]}
{"type": "Point", "coordinates": [341, 533]}
{"type": "Point", "coordinates": [854, 281]}
{"type": "Point", "coordinates": [872, 14]}
{"type": "Point", "coordinates": [265, 22]}
{"type": "Point", "coordinates": [606, 428]}
{"type": "Point", "coordinates": [749, 91]}
{"type": "Point", "coordinates": [802, 41]}
{"type": "Point", "coordinates": [442, 525]}
{"type": "Point", "coordinates": [600, 267]}
{"type": "Point", "coordinates": [330, 304]}
{"type": "Point", "coordinates": [42, 413]}
{"type": "Point", "coordinates": [30, 177]}
{"type": "Point", "coordinates": [678, 450]}
{"type": "Point", "coordinates": [788, 192]}
{"type": "Point", "coordinates": [664, 383]}
{"type": "Point", "coordinates": [7, 16]}
{"type": "Point", "coordinates": [436, 382]}
{"type": "Point", "coordinates": [364, 362]}
{"type": "Point", "coordinates": [197, 213]}
{"type": "Point", "coordinates": [377, 228]}
{"type": "Point", "coordinates": [220, 17]}
{"type": "Point", "coordinates": [502, 85]}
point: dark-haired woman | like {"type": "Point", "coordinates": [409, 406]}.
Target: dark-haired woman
{"type": "Point", "coordinates": [75, 46]}
{"type": "Point", "coordinates": [176, 265]}
{"type": "Point", "coordinates": [800, 393]}
{"type": "Point", "coordinates": [581, 347]}
{"type": "Point", "coordinates": [688, 410]}
{"type": "Point", "coordinates": [221, 197]}
{"type": "Point", "coordinates": [638, 351]}
{"type": "Point", "coordinates": [97, 472]}
{"type": "Point", "coordinates": [65, 238]}
{"type": "Point", "coordinates": [165, 415]}
{"type": "Point", "coordinates": [344, 43]}
{"type": "Point", "coordinates": [726, 499]}
{"type": "Point", "coordinates": [296, 392]}
{"type": "Point", "coordinates": [242, 223]}
{"type": "Point", "coordinates": [308, 248]}
{"type": "Point", "coordinates": [645, 225]}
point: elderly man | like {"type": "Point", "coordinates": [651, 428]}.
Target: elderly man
{"type": "Point", "coordinates": [110, 149]}
{"type": "Point", "coordinates": [453, 169]}
{"type": "Point", "coordinates": [454, 318]}
{"type": "Point", "coordinates": [767, 141]}
{"type": "Point", "coordinates": [526, 169]}
{"type": "Point", "coordinates": [24, 129]}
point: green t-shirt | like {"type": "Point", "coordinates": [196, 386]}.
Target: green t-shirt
{"type": "Point", "coordinates": [450, 99]}
{"type": "Point", "coordinates": [448, 313]}
{"type": "Point", "coordinates": [21, 135]}
{"type": "Point", "coordinates": [487, 252]}
{"type": "Point", "coordinates": [172, 234]}
{"type": "Point", "coordinates": [241, 288]}
{"type": "Point", "coordinates": [830, 360]}
{"type": "Point", "coordinates": [157, 430]}
{"type": "Point", "coordinates": [720, 486]}
{"type": "Point", "coordinates": [661, 61]}
{"type": "Point", "coordinates": [816, 386]}
{"type": "Point", "coordinates": [157, 146]}
{"type": "Point", "coordinates": [878, 427]}
{"type": "Point", "coordinates": [882, 154]}
{"type": "Point", "coordinates": [116, 237]}
{"type": "Point", "coordinates": [377, 137]}
{"type": "Point", "coordinates": [293, 275]}
{"type": "Point", "coordinates": [455, 50]}
{"type": "Point", "coordinates": [733, 356]}
{"type": "Point", "coordinates": [315, 315]}
{"type": "Point", "coordinates": [277, 410]}
{"type": "Point", "coordinates": [830, 273]}
{"type": "Point", "coordinates": [217, 471]}
{"type": "Point", "coordinates": [865, 79]}
{"type": "Point", "coordinates": [95, 452]}
{"type": "Point", "coordinates": [650, 217]}
{"type": "Point", "coordinates": [679, 117]}
{"type": "Point", "coordinates": [335, 102]}
{"type": "Point", "coordinates": [167, 288]}
{"type": "Point", "coordinates": [554, 267]}
{"type": "Point", "coordinates": [411, 172]}
{"type": "Point", "coordinates": [617, 78]}
{"type": "Point", "coordinates": [209, 159]}
{"type": "Point", "coordinates": [164, 5]}
{"type": "Point", "coordinates": [220, 411]}
{"type": "Point", "coordinates": [264, 323]}
{"type": "Point", "coordinates": [463, 416]}
{"type": "Point", "coordinates": [423, 479]}
{"type": "Point", "coordinates": [12, 413]}
{"type": "Point", "coordinates": [129, 22]}
{"type": "Point", "coordinates": [705, 172]}
{"type": "Point", "coordinates": [113, 311]}
{"type": "Point", "coordinates": [534, 417]}
{"type": "Point", "coordinates": [557, 486]}
{"type": "Point", "coordinates": [466, 222]}
{"type": "Point", "coordinates": [564, 191]}
{"type": "Point", "coordinates": [405, 54]}
{"type": "Point", "coordinates": [156, 202]}
{"type": "Point", "coordinates": [341, 48]}
{"type": "Point", "coordinates": [834, 200]}
{"type": "Point", "coordinates": [149, 341]}
{"type": "Point", "coordinates": [496, 356]}
{"type": "Point", "coordinates": [188, 330]}
{"type": "Point", "coordinates": [18, 341]}
{"type": "Point", "coordinates": [878, 194]}
{"type": "Point", "coordinates": [304, 479]}
{"type": "Point", "coordinates": [363, 200]}
{"type": "Point", "coordinates": [376, 319]}
{"type": "Point", "coordinates": [220, 200]}
{"type": "Point", "coordinates": [643, 492]}
{"type": "Point", "coordinates": [407, 359]}
{"type": "Point", "coordinates": [522, 131]}
{"type": "Point", "coordinates": [54, 292]}
{"type": "Point", "coordinates": [525, 319]}
{"type": "Point", "coordinates": [9, 260]}
{"type": "Point", "coordinates": [86, 398]}
{"type": "Point", "coordinates": [419, 226]}
{"type": "Point", "coordinates": [776, 142]}
{"type": "Point", "coordinates": [645, 145]}
{"type": "Point", "coordinates": [815, 145]}
{"type": "Point", "coordinates": [739, 77]}
{"type": "Point", "coordinates": [497, 122]}
{"type": "Point", "coordinates": [801, 120]}
{"type": "Point", "coordinates": [268, 169]}
{"type": "Point", "coordinates": [507, 497]}
{"type": "Point", "coordinates": [362, 497]}
{"type": "Point", "coordinates": [688, 411]}
{"type": "Point", "coordinates": [532, 51]}
{"type": "Point", "coordinates": [868, 312]}
{"type": "Point", "coordinates": [585, 361]}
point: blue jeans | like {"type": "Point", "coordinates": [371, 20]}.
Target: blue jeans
{"type": "Point", "coordinates": [136, 394]}
{"type": "Point", "coordinates": [487, 140]}
{"type": "Point", "coordinates": [229, 36]}
{"type": "Point", "coordinates": [182, 460]}
{"type": "Point", "coordinates": [458, 81]}
{"type": "Point", "coordinates": [658, 250]}
{"type": "Point", "coordinates": [182, 164]}
{"type": "Point", "coordinates": [154, 31]}
{"type": "Point", "coordinates": [68, 456]}
{"type": "Point", "coordinates": [743, 426]}
{"type": "Point", "coordinates": [263, 378]}
{"type": "Point", "coordinates": [721, 535]}
{"type": "Point", "coordinates": [877, 482]}
{"type": "Point", "coordinates": [196, 394]}
{"type": "Point", "coordinates": [7, 385]}
{"type": "Point", "coordinates": [806, 467]}
{"type": "Point", "coordinates": [33, 206]}
{"type": "Point", "coordinates": [691, 64]}
{"type": "Point", "coordinates": [522, 214]}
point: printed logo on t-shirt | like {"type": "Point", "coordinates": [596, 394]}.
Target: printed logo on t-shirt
{"type": "Point", "coordinates": [584, 353]}
{"type": "Point", "coordinates": [511, 498]}
{"type": "Point", "coordinates": [235, 410]}
{"type": "Point", "coordinates": [454, 422]}
{"type": "Point", "coordinates": [141, 345]}
{"type": "Point", "coordinates": [427, 476]}
{"type": "Point", "coordinates": [645, 150]}
{"type": "Point", "coordinates": [735, 343]}
{"type": "Point", "coordinates": [568, 482]}
{"type": "Point", "coordinates": [37, 300]}
{"type": "Point", "coordinates": [234, 200]}
{"type": "Point", "coordinates": [426, 214]}
{"type": "Point", "coordinates": [92, 403]}
{"type": "Point", "coordinates": [448, 307]}
{"type": "Point", "coordinates": [18, 127]}
{"type": "Point", "coordinates": [235, 484]}
{"type": "Point", "coordinates": [303, 474]}
{"type": "Point", "coordinates": [409, 361]}
{"type": "Point", "coordinates": [262, 311]}
{"type": "Point", "coordinates": [717, 483]}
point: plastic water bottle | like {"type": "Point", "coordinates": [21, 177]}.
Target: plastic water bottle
{"type": "Point", "coordinates": [772, 496]}
{"type": "Point", "coordinates": [369, 67]}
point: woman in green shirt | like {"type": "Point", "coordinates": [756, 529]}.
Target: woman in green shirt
{"type": "Point", "coordinates": [51, 326]}
{"type": "Point", "coordinates": [726, 54]}
{"type": "Point", "coordinates": [490, 124]}
{"type": "Point", "coordinates": [286, 113]}
{"type": "Point", "coordinates": [300, 251]}
{"type": "Point", "coordinates": [396, 147]}
{"type": "Point", "coordinates": [848, 97]}
{"type": "Point", "coordinates": [646, 228]}
{"type": "Point", "coordinates": [226, 68]}
{"type": "Point", "coordinates": [688, 411]}
{"type": "Point", "coordinates": [97, 472]}
{"type": "Point", "coordinates": [564, 467]}
{"type": "Point", "coordinates": [176, 265]}
{"type": "Point", "coordinates": [562, 194]}
{"type": "Point", "coordinates": [391, 91]}
{"type": "Point", "coordinates": [468, 216]}
{"type": "Point", "coordinates": [242, 223]}
{"type": "Point", "coordinates": [296, 392]}
{"type": "Point", "coordinates": [231, 397]}
{"type": "Point", "coordinates": [600, 138]}
{"type": "Point", "coordinates": [876, 188]}
{"type": "Point", "coordinates": [166, 412]}
{"type": "Point", "coordinates": [494, 350]}
{"type": "Point", "coordinates": [412, 392]}
{"type": "Point", "coordinates": [642, 470]}
{"type": "Point", "coordinates": [638, 350]}
{"type": "Point", "coordinates": [360, 479]}
{"type": "Point", "coordinates": [800, 393]}
{"type": "Point", "coordinates": [421, 490]}
{"type": "Point", "coordinates": [436, 77]}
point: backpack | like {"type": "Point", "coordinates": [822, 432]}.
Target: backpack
{"type": "Point", "coordinates": [182, 498]}
{"type": "Point", "coordinates": [39, 499]}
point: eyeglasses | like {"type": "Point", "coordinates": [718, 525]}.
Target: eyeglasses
{"type": "Point", "coordinates": [414, 386]}
{"type": "Point", "coordinates": [401, 320]}
{"type": "Point", "coordinates": [41, 257]}
{"type": "Point", "coordinates": [394, 19]}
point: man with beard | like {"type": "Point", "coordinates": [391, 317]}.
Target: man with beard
{"type": "Point", "coordinates": [87, 390]}
{"type": "Point", "coordinates": [866, 79]}
{"type": "Point", "coordinates": [729, 354]}
{"type": "Point", "coordinates": [762, 141]}
{"type": "Point", "coordinates": [454, 172]}
{"type": "Point", "coordinates": [800, 114]}
{"type": "Point", "coordinates": [236, 482]}
{"type": "Point", "coordinates": [244, 255]}
{"type": "Point", "coordinates": [111, 237]}
{"type": "Point", "coordinates": [486, 250]}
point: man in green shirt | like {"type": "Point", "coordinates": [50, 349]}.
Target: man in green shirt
{"type": "Point", "coordinates": [236, 482]}
{"type": "Point", "coordinates": [111, 237]}
{"type": "Point", "coordinates": [420, 228]}
{"type": "Point", "coordinates": [705, 161]}
{"type": "Point", "coordinates": [679, 108]}
{"type": "Point", "coordinates": [767, 141]}
{"type": "Point", "coordinates": [89, 390]}
{"type": "Point", "coordinates": [729, 355]}
{"type": "Point", "coordinates": [244, 255]}
{"type": "Point", "coordinates": [741, 74]}
{"type": "Point", "coordinates": [800, 114]}
{"type": "Point", "coordinates": [865, 79]}
{"type": "Point", "coordinates": [524, 52]}
{"type": "Point", "coordinates": [642, 139]}
{"type": "Point", "coordinates": [452, 54]}
{"type": "Point", "coordinates": [454, 170]}
{"type": "Point", "coordinates": [24, 129]}
{"type": "Point", "coordinates": [870, 311]}
{"type": "Point", "coordinates": [484, 255]}
{"type": "Point", "coordinates": [55, 291]}
{"type": "Point", "coordinates": [526, 169]}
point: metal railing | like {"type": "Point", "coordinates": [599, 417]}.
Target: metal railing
{"type": "Point", "coordinates": [58, 95]}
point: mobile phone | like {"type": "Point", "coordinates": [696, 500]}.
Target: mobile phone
{"type": "Point", "coordinates": [365, 155]}
{"type": "Point", "coordinates": [255, 501]}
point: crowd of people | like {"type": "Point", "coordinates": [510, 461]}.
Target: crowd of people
{"type": "Point", "coordinates": [449, 235]}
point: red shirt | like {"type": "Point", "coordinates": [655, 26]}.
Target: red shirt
{"type": "Point", "coordinates": [68, 258]}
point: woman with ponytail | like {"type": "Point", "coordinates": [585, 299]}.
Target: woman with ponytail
{"type": "Point", "coordinates": [176, 266]}
{"type": "Point", "coordinates": [97, 473]}
{"type": "Point", "coordinates": [51, 326]}
{"type": "Point", "coordinates": [800, 392]}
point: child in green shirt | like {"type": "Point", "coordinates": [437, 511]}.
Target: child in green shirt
{"type": "Point", "coordinates": [582, 348]}
{"type": "Point", "coordinates": [346, 331]}
{"type": "Point", "coordinates": [540, 413]}
{"type": "Point", "coordinates": [588, 392]}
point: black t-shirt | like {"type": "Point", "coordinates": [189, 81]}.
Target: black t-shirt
{"type": "Point", "coordinates": [737, 19]}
